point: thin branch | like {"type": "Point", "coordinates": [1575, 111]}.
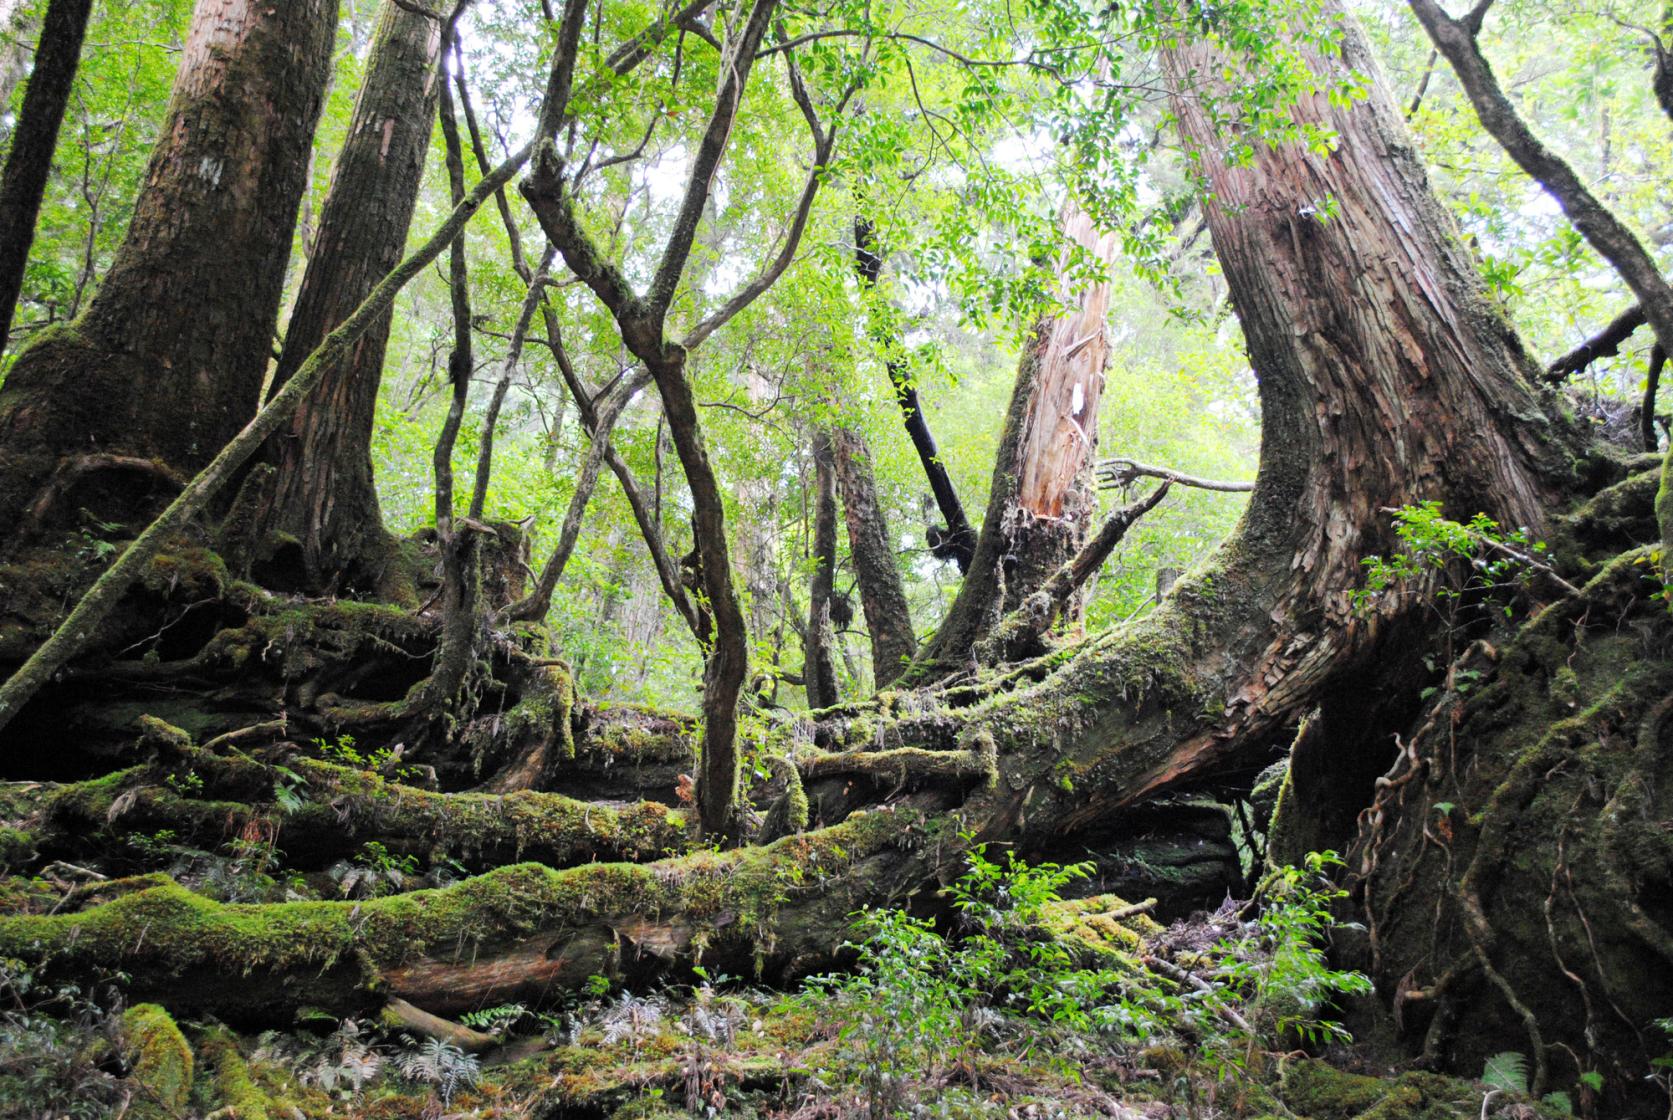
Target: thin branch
{"type": "Point", "coordinates": [736, 64]}
{"type": "Point", "coordinates": [1606, 343]}
{"type": "Point", "coordinates": [1120, 472]}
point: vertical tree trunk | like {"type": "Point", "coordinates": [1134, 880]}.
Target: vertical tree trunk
{"type": "Point", "coordinates": [167, 362]}
{"type": "Point", "coordinates": [323, 493]}
{"type": "Point", "coordinates": [818, 667]}
{"type": "Point", "coordinates": [29, 162]}
{"type": "Point", "coordinates": [882, 596]}
{"type": "Point", "coordinates": [1041, 501]}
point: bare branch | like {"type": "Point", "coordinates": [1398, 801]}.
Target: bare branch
{"type": "Point", "coordinates": [1120, 472]}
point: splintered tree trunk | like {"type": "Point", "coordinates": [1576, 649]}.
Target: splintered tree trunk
{"type": "Point", "coordinates": [882, 596]}
{"type": "Point", "coordinates": [167, 362]}
{"type": "Point", "coordinates": [323, 494]}
{"type": "Point", "coordinates": [29, 162]}
{"type": "Point", "coordinates": [818, 666]}
{"type": "Point", "coordinates": [1042, 500]}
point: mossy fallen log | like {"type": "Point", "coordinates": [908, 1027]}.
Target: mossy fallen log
{"type": "Point", "coordinates": [335, 808]}
{"type": "Point", "coordinates": [519, 932]}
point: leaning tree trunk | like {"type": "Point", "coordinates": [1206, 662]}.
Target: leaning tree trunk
{"type": "Point", "coordinates": [1385, 378]}
{"type": "Point", "coordinates": [323, 494]}
{"type": "Point", "coordinates": [167, 362]}
{"type": "Point", "coordinates": [29, 162]}
{"type": "Point", "coordinates": [882, 595]}
{"type": "Point", "coordinates": [1042, 500]}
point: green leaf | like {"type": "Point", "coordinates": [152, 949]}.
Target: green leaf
{"type": "Point", "coordinates": [1507, 1071]}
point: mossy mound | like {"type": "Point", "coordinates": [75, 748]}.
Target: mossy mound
{"type": "Point", "coordinates": [160, 1062]}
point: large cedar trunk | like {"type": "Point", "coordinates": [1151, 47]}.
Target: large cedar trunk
{"type": "Point", "coordinates": [167, 362]}
{"type": "Point", "coordinates": [323, 495]}
{"type": "Point", "coordinates": [1385, 379]}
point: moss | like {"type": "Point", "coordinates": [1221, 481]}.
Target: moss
{"type": "Point", "coordinates": [232, 1088]}
{"type": "Point", "coordinates": [333, 953]}
{"type": "Point", "coordinates": [1319, 1091]}
{"type": "Point", "coordinates": [186, 571]}
{"type": "Point", "coordinates": [161, 1062]}
{"type": "Point", "coordinates": [16, 847]}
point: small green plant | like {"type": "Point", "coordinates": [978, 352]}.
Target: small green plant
{"type": "Point", "coordinates": [90, 538]}
{"type": "Point", "coordinates": [1507, 1071]}
{"type": "Point", "coordinates": [187, 784]}
{"type": "Point", "coordinates": [383, 760]}
{"type": "Point", "coordinates": [374, 872]}
{"type": "Point", "coordinates": [1478, 555]}
{"type": "Point", "coordinates": [289, 789]}
{"type": "Point", "coordinates": [495, 1019]}
{"type": "Point", "coordinates": [1278, 973]}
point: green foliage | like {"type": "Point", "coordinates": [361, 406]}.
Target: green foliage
{"type": "Point", "coordinates": [1450, 560]}
{"type": "Point", "coordinates": [1507, 1071]}
{"type": "Point", "coordinates": [57, 1043]}
{"type": "Point", "coordinates": [374, 872]}
{"type": "Point", "coordinates": [919, 1003]}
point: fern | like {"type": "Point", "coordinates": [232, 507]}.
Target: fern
{"type": "Point", "coordinates": [1507, 1071]}
{"type": "Point", "coordinates": [442, 1066]}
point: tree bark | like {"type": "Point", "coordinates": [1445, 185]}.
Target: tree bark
{"type": "Point", "coordinates": [323, 493]}
{"type": "Point", "coordinates": [818, 667]}
{"type": "Point", "coordinates": [882, 596]}
{"type": "Point", "coordinates": [1042, 496]}
{"type": "Point", "coordinates": [29, 162]}
{"type": "Point", "coordinates": [168, 360]}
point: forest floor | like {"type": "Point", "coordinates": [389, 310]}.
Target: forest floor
{"type": "Point", "coordinates": [1021, 1006]}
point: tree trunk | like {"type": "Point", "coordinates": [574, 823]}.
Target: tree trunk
{"type": "Point", "coordinates": [29, 162]}
{"type": "Point", "coordinates": [818, 667]}
{"type": "Point", "coordinates": [323, 493]}
{"type": "Point", "coordinates": [1042, 498]}
{"type": "Point", "coordinates": [882, 596]}
{"type": "Point", "coordinates": [167, 362]}
{"type": "Point", "coordinates": [957, 540]}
